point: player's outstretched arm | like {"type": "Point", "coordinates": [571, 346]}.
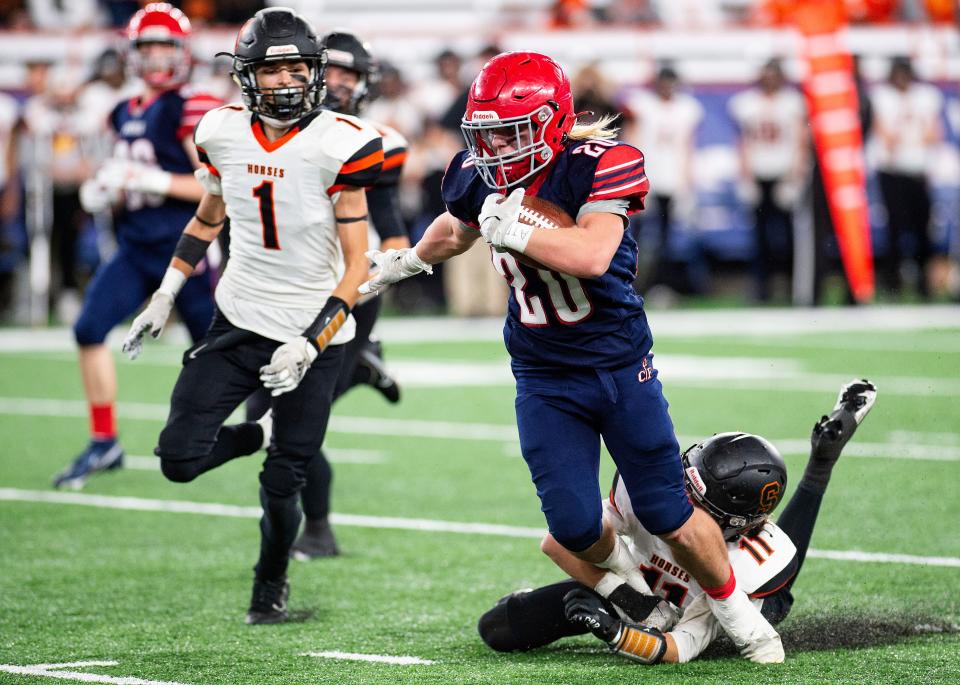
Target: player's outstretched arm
{"type": "Point", "coordinates": [200, 231]}
{"type": "Point", "coordinates": [446, 237]}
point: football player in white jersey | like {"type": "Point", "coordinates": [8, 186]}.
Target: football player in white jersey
{"type": "Point", "coordinates": [291, 177]}
{"type": "Point", "coordinates": [350, 70]}
{"type": "Point", "coordinates": [737, 478]}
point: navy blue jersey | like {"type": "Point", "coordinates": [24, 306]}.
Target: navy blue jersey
{"type": "Point", "coordinates": [554, 319]}
{"type": "Point", "coordinates": [153, 133]}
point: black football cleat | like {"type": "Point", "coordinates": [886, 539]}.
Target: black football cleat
{"type": "Point", "coordinates": [371, 358]}
{"type": "Point", "coordinates": [831, 433]}
{"type": "Point", "coordinates": [317, 541]}
{"type": "Point", "coordinates": [269, 602]}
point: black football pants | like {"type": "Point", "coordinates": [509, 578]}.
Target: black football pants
{"type": "Point", "coordinates": [218, 374]}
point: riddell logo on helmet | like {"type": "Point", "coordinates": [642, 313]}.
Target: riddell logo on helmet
{"type": "Point", "coordinates": [693, 475]}
{"type": "Point", "coordinates": [282, 50]}
{"type": "Point", "coordinates": [485, 115]}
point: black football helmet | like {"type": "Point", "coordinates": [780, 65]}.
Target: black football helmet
{"type": "Point", "coordinates": [346, 50]}
{"type": "Point", "coordinates": [278, 34]}
{"type": "Point", "coordinates": [737, 477]}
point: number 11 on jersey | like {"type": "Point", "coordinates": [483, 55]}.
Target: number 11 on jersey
{"type": "Point", "coordinates": [268, 219]}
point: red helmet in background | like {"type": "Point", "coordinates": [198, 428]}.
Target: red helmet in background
{"type": "Point", "coordinates": [525, 97]}
{"type": "Point", "coordinates": [160, 22]}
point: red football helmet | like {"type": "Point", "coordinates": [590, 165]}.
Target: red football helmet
{"type": "Point", "coordinates": [160, 22]}
{"type": "Point", "coordinates": [519, 112]}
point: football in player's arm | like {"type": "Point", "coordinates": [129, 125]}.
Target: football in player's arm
{"type": "Point", "coordinates": [766, 556]}
{"type": "Point", "coordinates": [292, 179]}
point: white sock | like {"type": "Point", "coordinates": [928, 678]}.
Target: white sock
{"type": "Point", "coordinates": [742, 621]}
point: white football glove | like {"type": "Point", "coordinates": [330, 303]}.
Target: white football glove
{"type": "Point", "coordinates": [96, 198]}
{"type": "Point", "coordinates": [151, 320]}
{"type": "Point", "coordinates": [500, 221]}
{"type": "Point", "coordinates": [135, 177]}
{"type": "Point", "coordinates": [288, 366]}
{"type": "Point", "coordinates": [393, 265]}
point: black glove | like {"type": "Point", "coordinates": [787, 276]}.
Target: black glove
{"type": "Point", "coordinates": [582, 607]}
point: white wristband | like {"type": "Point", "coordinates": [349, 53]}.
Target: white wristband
{"type": "Point", "coordinates": [413, 264]}
{"type": "Point", "coordinates": [172, 281]}
{"type": "Point", "coordinates": [517, 236]}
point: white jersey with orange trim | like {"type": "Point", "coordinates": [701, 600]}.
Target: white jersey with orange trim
{"type": "Point", "coordinates": [762, 563]}
{"type": "Point", "coordinates": [285, 256]}
{"type": "Point", "coordinates": [771, 126]}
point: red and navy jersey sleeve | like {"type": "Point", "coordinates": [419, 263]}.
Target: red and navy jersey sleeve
{"type": "Point", "coordinates": [363, 167]}
{"type": "Point", "coordinates": [461, 189]}
{"type": "Point", "coordinates": [620, 174]}
{"type": "Point", "coordinates": [194, 108]}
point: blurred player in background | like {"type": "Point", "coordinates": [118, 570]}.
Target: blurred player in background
{"type": "Point", "coordinates": [292, 177]}
{"type": "Point", "coordinates": [773, 164]}
{"type": "Point", "coordinates": [739, 479]}
{"type": "Point", "coordinates": [664, 125]}
{"type": "Point", "coordinates": [349, 73]}
{"type": "Point", "coordinates": [908, 130]}
{"type": "Point", "coordinates": [576, 330]}
{"type": "Point", "coordinates": [149, 179]}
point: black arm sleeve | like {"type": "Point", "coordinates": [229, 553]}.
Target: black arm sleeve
{"type": "Point", "coordinates": [527, 620]}
{"type": "Point", "coordinates": [333, 315]}
{"type": "Point", "coordinates": [383, 204]}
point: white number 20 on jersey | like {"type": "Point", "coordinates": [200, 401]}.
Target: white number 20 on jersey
{"type": "Point", "coordinates": [567, 296]}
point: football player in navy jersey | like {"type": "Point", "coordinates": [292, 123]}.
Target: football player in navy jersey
{"type": "Point", "coordinates": [576, 330]}
{"type": "Point", "coordinates": [149, 182]}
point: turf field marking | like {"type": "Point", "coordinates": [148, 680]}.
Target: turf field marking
{"type": "Point", "coordinates": [383, 522]}
{"type": "Point", "coordinates": [451, 430]}
{"type": "Point", "coordinates": [378, 658]}
{"type": "Point", "coordinates": [54, 671]}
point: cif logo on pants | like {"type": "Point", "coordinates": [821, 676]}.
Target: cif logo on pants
{"type": "Point", "coordinates": [646, 371]}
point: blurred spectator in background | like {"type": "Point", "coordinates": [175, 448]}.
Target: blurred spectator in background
{"type": "Point", "coordinates": [663, 124]}
{"type": "Point", "coordinates": [593, 95]}
{"type": "Point", "coordinates": [626, 12]}
{"type": "Point", "coordinates": [570, 14]}
{"type": "Point", "coordinates": [690, 14]}
{"type": "Point", "coordinates": [59, 151]}
{"type": "Point", "coordinates": [773, 163]}
{"type": "Point", "coordinates": [107, 84]}
{"type": "Point", "coordinates": [57, 15]}
{"type": "Point", "coordinates": [11, 247]}
{"type": "Point", "coordinates": [907, 130]}
{"type": "Point", "coordinates": [434, 95]}
{"type": "Point", "coordinates": [392, 104]}
{"type": "Point", "coordinates": [470, 286]}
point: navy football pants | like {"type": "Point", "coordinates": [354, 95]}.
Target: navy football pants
{"type": "Point", "coordinates": [121, 285]}
{"type": "Point", "coordinates": [563, 413]}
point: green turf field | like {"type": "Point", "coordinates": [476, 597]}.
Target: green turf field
{"type": "Point", "coordinates": [160, 596]}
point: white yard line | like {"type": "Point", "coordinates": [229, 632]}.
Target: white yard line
{"type": "Point", "coordinates": [377, 658]}
{"type": "Point", "coordinates": [54, 671]}
{"type": "Point", "coordinates": [452, 430]}
{"type": "Point", "coordinates": [687, 323]}
{"type": "Point", "coordinates": [382, 522]}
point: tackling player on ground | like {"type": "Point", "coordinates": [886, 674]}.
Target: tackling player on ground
{"type": "Point", "coordinates": [150, 177]}
{"type": "Point", "coordinates": [292, 177]}
{"type": "Point", "coordinates": [576, 330]}
{"type": "Point", "coordinates": [739, 479]}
